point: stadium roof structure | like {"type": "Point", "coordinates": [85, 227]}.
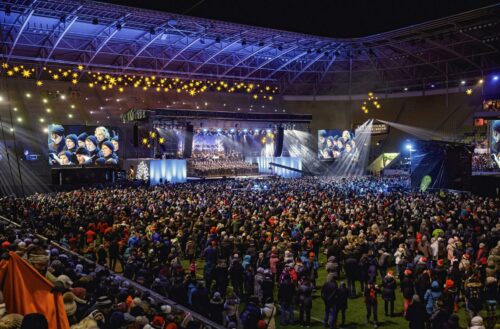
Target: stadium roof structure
{"type": "Point", "coordinates": [119, 39]}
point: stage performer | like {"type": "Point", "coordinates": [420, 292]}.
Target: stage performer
{"type": "Point", "coordinates": [57, 139]}
{"type": "Point", "coordinates": [108, 153]}
{"type": "Point", "coordinates": [71, 143]}
{"type": "Point", "coordinates": [83, 156]}
{"type": "Point", "coordinates": [91, 144]}
{"type": "Point", "coordinates": [102, 135]}
{"type": "Point", "coordinates": [81, 139]}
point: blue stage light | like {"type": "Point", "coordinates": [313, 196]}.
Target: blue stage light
{"type": "Point", "coordinates": [205, 130]}
{"type": "Point", "coordinates": [268, 131]}
{"type": "Point", "coordinates": [219, 130]}
{"type": "Point", "coordinates": [245, 130]}
{"type": "Point", "coordinates": [495, 78]}
{"type": "Point", "coordinates": [232, 130]}
{"type": "Point", "coordinates": [256, 131]}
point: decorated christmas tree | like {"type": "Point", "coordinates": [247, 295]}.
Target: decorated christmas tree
{"type": "Point", "coordinates": [142, 171]}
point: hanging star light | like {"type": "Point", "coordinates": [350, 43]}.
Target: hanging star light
{"type": "Point", "coordinates": [26, 74]}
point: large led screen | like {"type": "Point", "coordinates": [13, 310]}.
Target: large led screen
{"type": "Point", "coordinates": [74, 145]}
{"type": "Point", "coordinates": [335, 144]}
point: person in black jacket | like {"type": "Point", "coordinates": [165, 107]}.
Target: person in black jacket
{"type": "Point", "coordinates": [251, 315]}
{"type": "Point", "coordinates": [304, 293]}
{"type": "Point", "coordinates": [342, 299]}
{"type": "Point", "coordinates": [286, 292]}
{"type": "Point", "coordinates": [237, 275]}
{"type": "Point", "coordinates": [329, 294]}
{"type": "Point", "coordinates": [351, 269]}
{"type": "Point", "coordinates": [371, 302]}
{"type": "Point", "coordinates": [416, 314]}
{"type": "Point", "coordinates": [389, 285]}
{"type": "Point", "coordinates": [217, 308]}
{"type": "Point", "coordinates": [407, 288]}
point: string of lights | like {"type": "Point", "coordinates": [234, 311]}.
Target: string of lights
{"type": "Point", "coordinates": [110, 81]}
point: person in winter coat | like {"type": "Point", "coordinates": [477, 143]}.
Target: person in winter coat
{"type": "Point", "coordinates": [286, 293]}
{"type": "Point", "coordinates": [237, 275]}
{"type": "Point", "coordinates": [431, 297]}
{"type": "Point", "coordinates": [370, 293]}
{"type": "Point", "coordinates": [332, 266]}
{"type": "Point", "coordinates": [389, 285]}
{"type": "Point", "coordinates": [258, 281]}
{"type": "Point", "coordinates": [304, 293]}
{"type": "Point", "coordinates": [217, 308]}
{"type": "Point", "coordinates": [249, 282]}
{"type": "Point", "coordinates": [267, 285]}
{"type": "Point", "coordinates": [231, 307]}
{"type": "Point", "coordinates": [450, 296]}
{"type": "Point", "coordinates": [407, 288]}
{"type": "Point", "coordinates": [329, 294]}
{"type": "Point", "coordinates": [416, 314]}
{"type": "Point", "coordinates": [251, 315]}
{"type": "Point", "coordinates": [439, 317]}
{"type": "Point", "coordinates": [351, 269]}
{"type": "Point", "coordinates": [342, 299]}
{"type": "Point", "coordinates": [268, 313]}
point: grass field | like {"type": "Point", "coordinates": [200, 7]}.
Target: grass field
{"type": "Point", "coordinates": [356, 311]}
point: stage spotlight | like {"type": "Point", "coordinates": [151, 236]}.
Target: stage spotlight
{"type": "Point", "coordinates": [70, 116]}
{"type": "Point", "coordinates": [480, 81]}
{"type": "Point", "coordinates": [256, 131]}
{"type": "Point", "coordinates": [63, 97]}
{"type": "Point", "coordinates": [268, 131]}
{"type": "Point", "coordinates": [406, 88]}
{"type": "Point", "coordinates": [144, 141]}
{"type": "Point", "coordinates": [245, 130]}
{"type": "Point", "coordinates": [42, 120]}
{"type": "Point", "coordinates": [409, 147]}
{"type": "Point", "coordinates": [495, 78]}
{"type": "Point", "coordinates": [219, 130]}
{"type": "Point", "coordinates": [1, 99]}
{"type": "Point", "coordinates": [161, 140]}
{"type": "Point", "coordinates": [232, 130]}
{"type": "Point", "coordinates": [205, 130]}
{"type": "Point", "coordinates": [28, 95]}
{"type": "Point", "coordinates": [468, 91]}
{"type": "Point", "coordinates": [19, 119]}
{"type": "Point", "coordinates": [48, 110]}
{"type": "Point", "coordinates": [462, 82]}
{"type": "Point", "coordinates": [45, 130]}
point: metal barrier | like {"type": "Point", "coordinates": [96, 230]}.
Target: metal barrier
{"type": "Point", "coordinates": [204, 322]}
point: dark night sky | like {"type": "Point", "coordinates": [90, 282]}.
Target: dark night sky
{"type": "Point", "coordinates": [342, 19]}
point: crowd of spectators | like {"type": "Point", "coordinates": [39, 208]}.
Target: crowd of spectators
{"type": "Point", "coordinates": [261, 249]}
{"type": "Point", "coordinates": [222, 167]}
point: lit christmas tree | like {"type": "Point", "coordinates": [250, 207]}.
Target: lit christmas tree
{"type": "Point", "coordinates": [142, 171]}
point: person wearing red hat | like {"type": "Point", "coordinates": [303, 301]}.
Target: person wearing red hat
{"type": "Point", "coordinates": [407, 288]}
{"type": "Point", "coordinates": [450, 297]}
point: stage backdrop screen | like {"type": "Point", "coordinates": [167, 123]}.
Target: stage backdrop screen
{"type": "Point", "coordinates": [495, 143]}
{"type": "Point", "coordinates": [335, 144]}
{"type": "Point", "coordinates": [74, 145]}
